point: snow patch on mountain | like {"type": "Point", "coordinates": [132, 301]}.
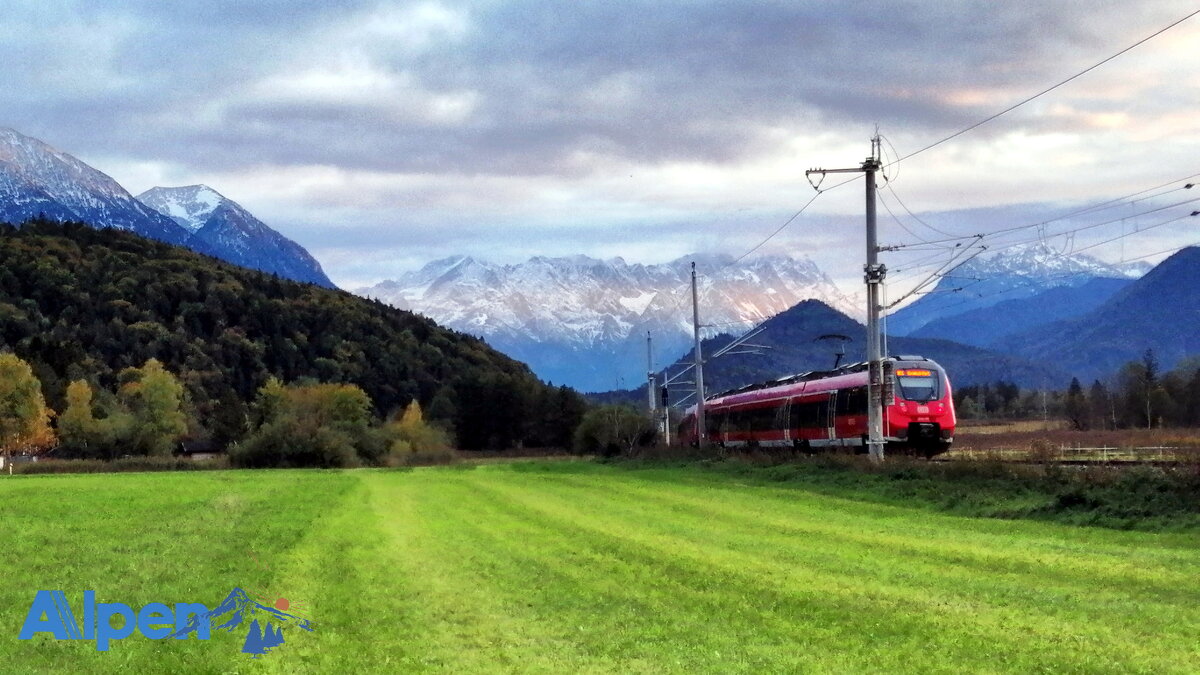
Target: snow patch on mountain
{"type": "Point", "coordinates": [639, 304]}
{"type": "Point", "coordinates": [190, 206]}
{"type": "Point", "coordinates": [1040, 262]}
{"type": "Point", "coordinates": [223, 228]}
{"type": "Point", "coordinates": [38, 180]}
{"type": "Point", "coordinates": [588, 311]}
{"type": "Point", "coordinates": [1019, 272]}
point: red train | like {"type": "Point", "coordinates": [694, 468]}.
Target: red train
{"type": "Point", "coordinates": [828, 409]}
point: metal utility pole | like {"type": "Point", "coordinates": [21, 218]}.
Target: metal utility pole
{"type": "Point", "coordinates": [650, 375]}
{"type": "Point", "coordinates": [874, 276]}
{"type": "Point", "coordinates": [701, 436]}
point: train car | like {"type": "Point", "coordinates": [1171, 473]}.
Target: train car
{"type": "Point", "coordinates": [828, 409]}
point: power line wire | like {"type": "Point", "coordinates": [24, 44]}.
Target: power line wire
{"type": "Point", "coordinates": [1007, 230]}
{"type": "Point", "coordinates": [1048, 89]}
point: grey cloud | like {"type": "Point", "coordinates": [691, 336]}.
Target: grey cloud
{"type": "Point", "coordinates": [694, 81]}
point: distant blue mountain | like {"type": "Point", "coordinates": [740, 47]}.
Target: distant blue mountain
{"type": "Point", "coordinates": [1018, 273]}
{"type": "Point", "coordinates": [1160, 311]}
{"type": "Point", "coordinates": [793, 346]}
{"type": "Point", "coordinates": [983, 327]}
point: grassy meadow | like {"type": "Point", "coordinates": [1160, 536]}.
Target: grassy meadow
{"type": "Point", "coordinates": [561, 567]}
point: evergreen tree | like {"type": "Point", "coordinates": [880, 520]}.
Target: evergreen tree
{"type": "Point", "coordinates": [1101, 406]}
{"type": "Point", "coordinates": [1075, 406]}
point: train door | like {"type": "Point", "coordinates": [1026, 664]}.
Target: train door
{"type": "Point", "coordinates": [783, 419]}
{"type": "Point", "coordinates": [831, 416]}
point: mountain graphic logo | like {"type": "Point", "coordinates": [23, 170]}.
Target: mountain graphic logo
{"type": "Point", "coordinates": [266, 624]}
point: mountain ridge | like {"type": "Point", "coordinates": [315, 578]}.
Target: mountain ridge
{"type": "Point", "coordinates": [225, 229]}
{"type": "Point", "coordinates": [1021, 272]}
{"type": "Point", "coordinates": [1160, 311]}
{"type": "Point", "coordinates": [577, 319]}
{"type": "Point", "coordinates": [39, 181]}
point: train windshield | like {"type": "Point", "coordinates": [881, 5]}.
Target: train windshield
{"type": "Point", "coordinates": [918, 384]}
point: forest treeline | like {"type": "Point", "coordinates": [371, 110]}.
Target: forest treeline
{"type": "Point", "coordinates": [85, 305]}
{"type": "Point", "coordinates": [1140, 395]}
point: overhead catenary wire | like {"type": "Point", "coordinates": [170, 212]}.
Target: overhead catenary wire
{"type": "Point", "coordinates": [1091, 226]}
{"type": "Point", "coordinates": [818, 190]}
{"type": "Point", "coordinates": [1043, 223]}
{"type": "Point", "coordinates": [917, 290]}
{"type": "Point", "coordinates": [1047, 90]}
{"type": "Point", "coordinates": [1029, 285]}
{"type": "Point", "coordinates": [904, 227]}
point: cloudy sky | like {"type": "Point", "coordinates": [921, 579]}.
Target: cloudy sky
{"type": "Point", "coordinates": [383, 135]}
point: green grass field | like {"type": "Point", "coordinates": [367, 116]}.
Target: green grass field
{"type": "Point", "coordinates": [565, 567]}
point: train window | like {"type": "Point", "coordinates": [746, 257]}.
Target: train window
{"type": "Point", "coordinates": [810, 414]}
{"type": "Point", "coordinates": [764, 419]}
{"type": "Point", "coordinates": [918, 384]}
{"type": "Point", "coordinates": [733, 421]}
{"type": "Point", "coordinates": [852, 401]}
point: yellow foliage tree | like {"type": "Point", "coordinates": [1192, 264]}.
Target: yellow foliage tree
{"type": "Point", "coordinates": [24, 417]}
{"type": "Point", "coordinates": [412, 417]}
{"type": "Point", "coordinates": [77, 424]}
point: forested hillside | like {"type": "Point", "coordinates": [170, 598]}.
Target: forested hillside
{"type": "Point", "coordinates": [80, 303]}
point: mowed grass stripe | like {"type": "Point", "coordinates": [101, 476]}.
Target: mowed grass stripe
{"type": "Point", "coordinates": [764, 626]}
{"type": "Point", "coordinates": [1094, 646]}
{"type": "Point", "coordinates": [140, 538]}
{"type": "Point", "coordinates": [1137, 568]}
{"type": "Point", "coordinates": [471, 604]}
{"type": "Point", "coordinates": [341, 575]}
{"type": "Point", "coordinates": [598, 609]}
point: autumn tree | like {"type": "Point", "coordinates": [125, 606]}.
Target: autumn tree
{"type": "Point", "coordinates": [411, 437]}
{"type": "Point", "coordinates": [24, 417]}
{"type": "Point", "coordinates": [84, 434]}
{"type": "Point", "coordinates": [155, 398]}
{"type": "Point", "coordinates": [411, 418]}
{"type": "Point", "coordinates": [77, 425]}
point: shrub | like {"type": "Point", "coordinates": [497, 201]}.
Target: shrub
{"type": "Point", "coordinates": [125, 464]}
{"type": "Point", "coordinates": [610, 430]}
{"type": "Point", "coordinates": [320, 425]}
{"type": "Point", "coordinates": [289, 443]}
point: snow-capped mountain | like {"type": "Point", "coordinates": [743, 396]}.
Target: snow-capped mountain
{"type": "Point", "coordinates": [582, 321]}
{"type": "Point", "coordinates": [36, 179]}
{"type": "Point", "coordinates": [1160, 312]}
{"type": "Point", "coordinates": [1015, 273]}
{"type": "Point", "coordinates": [222, 228]}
